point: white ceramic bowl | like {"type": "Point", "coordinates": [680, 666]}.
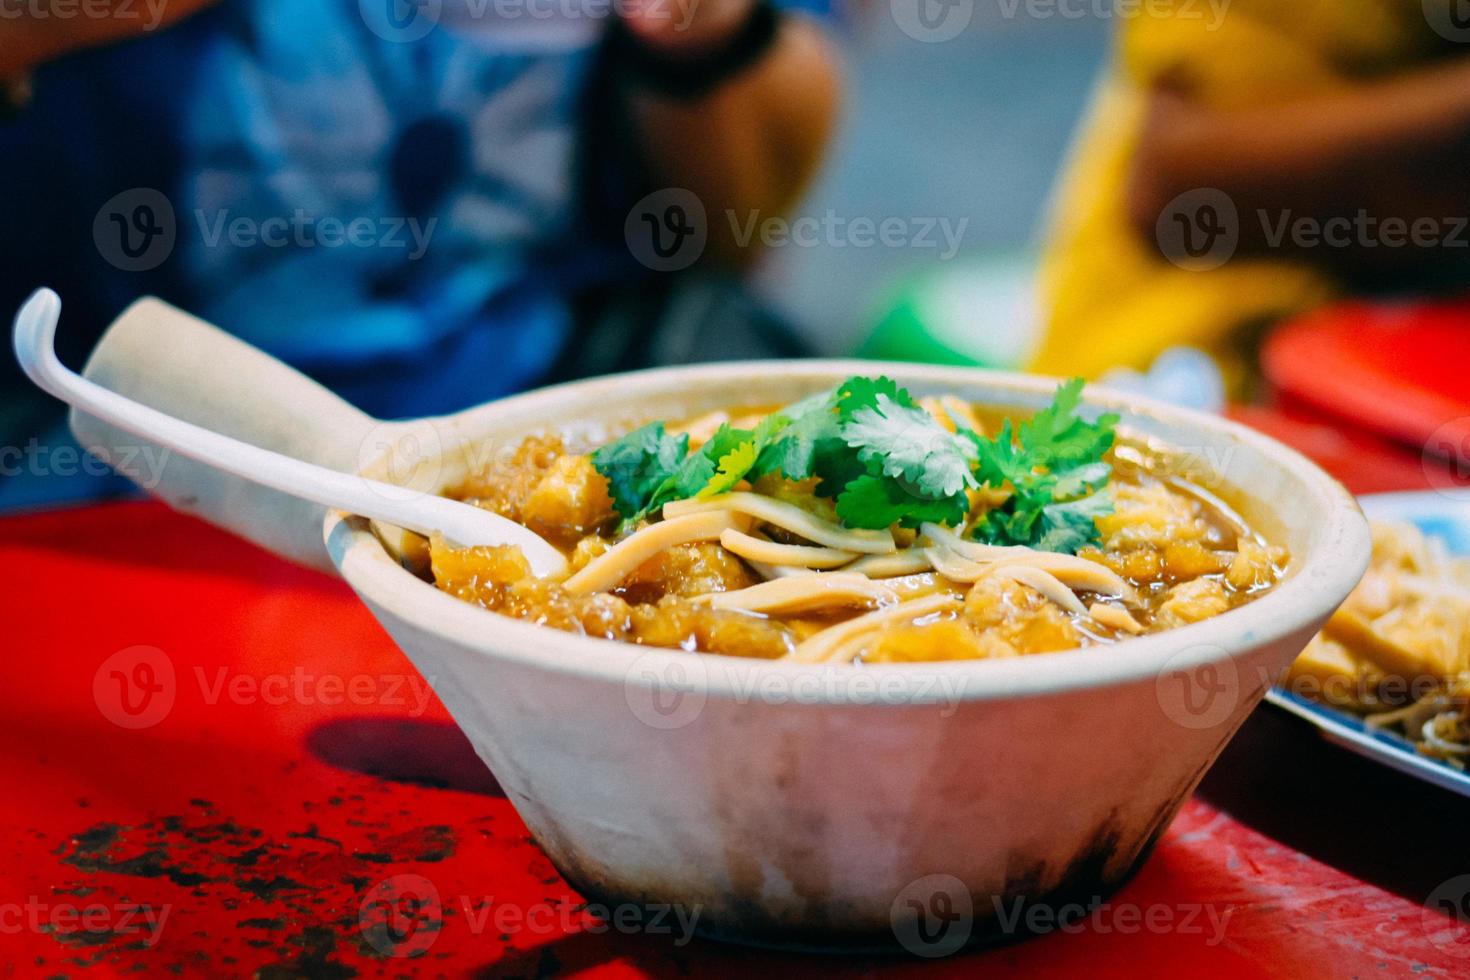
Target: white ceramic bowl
{"type": "Point", "coordinates": [812, 806]}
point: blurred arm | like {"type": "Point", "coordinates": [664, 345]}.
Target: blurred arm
{"type": "Point", "coordinates": [35, 37]}
{"type": "Point", "coordinates": [1398, 148]}
{"type": "Point", "coordinates": [753, 143]}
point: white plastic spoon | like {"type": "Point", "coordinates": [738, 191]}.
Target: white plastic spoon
{"type": "Point", "coordinates": [35, 335]}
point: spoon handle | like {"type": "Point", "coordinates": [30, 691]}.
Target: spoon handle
{"type": "Point", "coordinates": [424, 513]}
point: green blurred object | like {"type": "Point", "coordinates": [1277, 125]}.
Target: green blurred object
{"type": "Point", "coordinates": [984, 312]}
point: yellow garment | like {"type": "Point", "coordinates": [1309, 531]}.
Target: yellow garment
{"type": "Point", "coordinates": [1111, 298]}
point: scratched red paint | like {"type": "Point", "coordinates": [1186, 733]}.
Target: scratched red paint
{"type": "Point", "coordinates": [294, 810]}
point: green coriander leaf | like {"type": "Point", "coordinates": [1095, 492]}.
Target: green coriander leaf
{"type": "Point", "coordinates": [1057, 438]}
{"type": "Point", "coordinates": [875, 502]}
{"type": "Point", "coordinates": [858, 393]}
{"type": "Point", "coordinates": [731, 469]}
{"type": "Point", "coordinates": [821, 401]}
{"type": "Point", "coordinates": [638, 464]}
{"type": "Point", "coordinates": [698, 469]}
{"type": "Point", "coordinates": [793, 449]}
{"type": "Point", "coordinates": [768, 428]}
{"type": "Point", "coordinates": [1081, 481]}
{"type": "Point", "coordinates": [735, 452]}
{"type": "Point", "coordinates": [836, 466]}
{"type": "Point", "coordinates": [691, 476]}
{"type": "Point", "coordinates": [1070, 527]}
{"type": "Point", "coordinates": [909, 444]}
{"type": "Point", "coordinates": [1009, 525]}
{"type": "Point", "coordinates": [724, 440]}
{"type": "Point", "coordinates": [999, 461]}
{"type": "Point", "coordinates": [810, 445]}
{"type": "Point", "coordinates": [1054, 467]}
{"type": "Point", "coordinates": [872, 502]}
{"type": "Point", "coordinates": [1043, 427]}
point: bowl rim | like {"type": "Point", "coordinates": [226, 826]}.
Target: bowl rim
{"type": "Point", "coordinates": [1327, 573]}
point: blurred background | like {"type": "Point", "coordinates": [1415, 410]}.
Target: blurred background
{"type": "Point", "coordinates": [427, 204]}
{"type": "Point", "coordinates": [973, 129]}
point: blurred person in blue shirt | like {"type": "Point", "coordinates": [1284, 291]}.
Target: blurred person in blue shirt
{"type": "Point", "coordinates": [402, 200]}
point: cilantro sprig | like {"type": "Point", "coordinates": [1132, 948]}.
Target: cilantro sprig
{"type": "Point", "coordinates": [1053, 465]}
{"type": "Point", "coordinates": [885, 461]}
{"type": "Point", "coordinates": [648, 468]}
{"type": "Point", "coordinates": [871, 447]}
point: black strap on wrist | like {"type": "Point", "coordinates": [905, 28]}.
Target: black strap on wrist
{"type": "Point", "coordinates": [689, 79]}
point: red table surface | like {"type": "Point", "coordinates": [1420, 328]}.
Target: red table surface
{"type": "Point", "coordinates": [289, 783]}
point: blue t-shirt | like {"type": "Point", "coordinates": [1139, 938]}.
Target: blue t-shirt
{"type": "Point", "coordinates": [388, 196]}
